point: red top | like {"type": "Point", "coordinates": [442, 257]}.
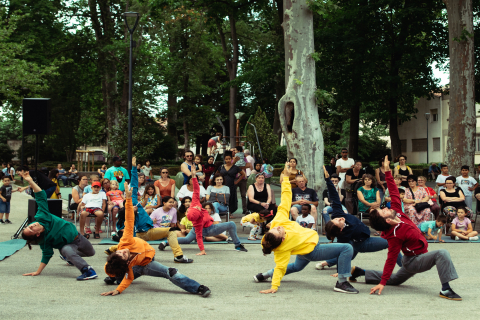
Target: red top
{"type": "Point", "coordinates": [430, 192]}
{"type": "Point", "coordinates": [197, 215]}
{"type": "Point", "coordinates": [405, 236]}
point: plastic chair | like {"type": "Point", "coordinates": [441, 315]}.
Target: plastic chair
{"type": "Point", "coordinates": [106, 218]}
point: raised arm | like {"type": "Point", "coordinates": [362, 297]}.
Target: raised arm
{"type": "Point", "coordinates": [129, 217]}
{"type": "Point", "coordinates": [134, 181]}
{"type": "Point", "coordinates": [395, 203]}
{"type": "Point", "coordinates": [283, 211]}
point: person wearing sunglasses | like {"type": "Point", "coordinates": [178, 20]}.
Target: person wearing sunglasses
{"type": "Point", "coordinates": [186, 167]}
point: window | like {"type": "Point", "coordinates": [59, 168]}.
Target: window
{"type": "Point", "coordinates": [404, 145]}
{"type": "Point", "coordinates": [434, 115]}
{"type": "Point", "coordinates": [436, 144]}
{"type": "Point", "coordinates": [419, 145]}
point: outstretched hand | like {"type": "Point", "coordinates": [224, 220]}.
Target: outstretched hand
{"type": "Point", "coordinates": [386, 164]}
{"type": "Point", "coordinates": [128, 192]}
{"type": "Point", "coordinates": [325, 172]}
{"type": "Point", "coordinates": [25, 175]}
{"type": "Point", "coordinates": [134, 161]}
{"type": "Point", "coordinates": [194, 170]}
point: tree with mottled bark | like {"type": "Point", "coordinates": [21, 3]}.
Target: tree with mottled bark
{"type": "Point", "coordinates": [462, 121]}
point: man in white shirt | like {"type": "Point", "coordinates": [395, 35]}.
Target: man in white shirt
{"type": "Point", "coordinates": [250, 160]}
{"type": "Point", "coordinates": [468, 185]}
{"type": "Point", "coordinates": [343, 165]}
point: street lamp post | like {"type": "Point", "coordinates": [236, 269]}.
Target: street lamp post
{"type": "Point", "coordinates": [126, 15]}
{"type": "Point", "coordinates": [427, 116]}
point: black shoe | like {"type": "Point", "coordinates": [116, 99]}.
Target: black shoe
{"type": "Point", "coordinates": [345, 287]}
{"type": "Point", "coordinates": [450, 295]}
{"type": "Point", "coordinates": [259, 278]}
{"type": "Point", "coordinates": [108, 252]}
{"type": "Point", "coordinates": [356, 272]}
{"type": "Point", "coordinates": [1, 221]}
{"type": "Point", "coordinates": [109, 280]}
{"type": "Point", "coordinates": [162, 246]}
{"type": "Point", "coordinates": [183, 259]}
{"type": "Point", "coordinates": [240, 247]}
{"type": "Point", "coordinates": [204, 291]}
{"type": "Point", "coordinates": [8, 221]}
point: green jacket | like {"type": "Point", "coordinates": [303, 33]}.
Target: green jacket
{"type": "Point", "coordinates": [58, 232]}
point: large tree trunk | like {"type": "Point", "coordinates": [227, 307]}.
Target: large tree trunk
{"type": "Point", "coordinates": [280, 81]}
{"type": "Point", "coordinates": [462, 122]}
{"type": "Point", "coordinates": [297, 108]}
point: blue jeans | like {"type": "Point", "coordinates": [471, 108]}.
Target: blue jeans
{"type": "Point", "coordinates": [4, 206]}
{"type": "Point", "coordinates": [341, 251]}
{"type": "Point", "coordinates": [219, 207]}
{"type": "Point", "coordinates": [369, 245]}
{"type": "Point", "coordinates": [213, 230]}
{"type": "Point", "coordinates": [382, 194]}
{"type": "Point", "coordinates": [156, 269]}
{"type": "Point", "coordinates": [64, 179]}
{"type": "Point", "coordinates": [327, 211]}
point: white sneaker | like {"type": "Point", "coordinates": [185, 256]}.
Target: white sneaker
{"type": "Point", "coordinates": [457, 238]}
{"type": "Point", "coordinates": [473, 238]}
{"type": "Point", "coordinates": [321, 265]}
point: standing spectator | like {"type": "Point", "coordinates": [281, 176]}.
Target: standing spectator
{"type": "Point", "coordinates": [5, 196]}
{"type": "Point", "coordinates": [229, 172]}
{"type": "Point", "coordinates": [381, 180]}
{"type": "Point", "coordinates": [212, 143]}
{"type": "Point", "coordinates": [101, 171]}
{"type": "Point", "coordinates": [415, 195]}
{"type": "Point", "coordinates": [434, 171]}
{"type": "Point", "coordinates": [368, 195]}
{"type": "Point", "coordinates": [218, 194]}
{"type": "Point", "coordinates": [352, 176]}
{"type": "Point", "coordinates": [403, 170]}
{"type": "Point", "coordinates": [147, 169]}
{"type": "Point", "coordinates": [435, 207]}
{"type": "Point", "coordinates": [250, 161]}
{"type": "Point", "coordinates": [302, 195]}
{"type": "Point", "coordinates": [118, 172]}
{"type": "Point", "coordinates": [260, 195]}
{"type": "Point", "coordinates": [441, 180]}
{"type": "Point", "coordinates": [186, 167]}
{"type": "Point", "coordinates": [208, 170]}
{"type": "Point", "coordinates": [62, 175]}
{"type": "Point", "coordinates": [343, 165]}
{"type": "Point", "coordinates": [165, 187]}
{"type": "Point", "coordinates": [239, 161]}
{"type": "Point", "coordinates": [468, 185]}
{"type": "Point", "coordinates": [292, 172]}
{"type": "Point", "coordinates": [53, 175]}
{"type": "Point", "coordinates": [331, 168]}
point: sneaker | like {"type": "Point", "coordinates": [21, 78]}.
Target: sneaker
{"type": "Point", "coordinates": [65, 259]}
{"type": "Point", "coordinates": [108, 252]}
{"type": "Point", "coordinates": [87, 273]}
{"type": "Point", "coordinates": [229, 240]}
{"type": "Point", "coordinates": [203, 291]}
{"type": "Point", "coordinates": [321, 265]}
{"type": "Point", "coordinates": [450, 295]}
{"type": "Point", "coordinates": [113, 234]}
{"type": "Point", "coordinates": [345, 287]}
{"type": "Point", "coordinates": [240, 247]}
{"type": "Point", "coordinates": [162, 246]}
{"type": "Point", "coordinates": [471, 238]}
{"type": "Point", "coordinates": [1, 221]}
{"type": "Point", "coordinates": [355, 274]}
{"type": "Point", "coordinates": [457, 238]}
{"type": "Point", "coordinates": [10, 222]}
{"type": "Point", "coordinates": [259, 278]}
{"type": "Point", "coordinates": [109, 280]}
{"type": "Point", "coordinates": [182, 260]}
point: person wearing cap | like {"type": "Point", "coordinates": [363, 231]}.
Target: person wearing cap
{"type": "Point", "coordinates": [118, 172]}
{"type": "Point", "coordinates": [434, 171]}
{"type": "Point", "coordinates": [93, 203]}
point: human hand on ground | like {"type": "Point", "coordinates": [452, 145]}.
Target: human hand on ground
{"type": "Point", "coordinates": [201, 253]}
{"type": "Point", "coordinates": [269, 291]}
{"type": "Point", "coordinates": [378, 288]}
{"type": "Point", "coordinates": [108, 293]}
{"type": "Point", "coordinates": [36, 273]}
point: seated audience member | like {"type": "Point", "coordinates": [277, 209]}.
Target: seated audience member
{"type": "Point", "coordinates": [199, 168]}
{"type": "Point", "coordinates": [150, 200]}
{"type": "Point", "coordinates": [302, 195]}
{"type": "Point", "coordinates": [254, 221]}
{"type": "Point", "coordinates": [73, 170]}
{"type": "Point", "coordinates": [187, 190]}
{"type": "Point", "coordinates": [435, 208]}
{"type": "Point", "coordinates": [147, 169]}
{"type": "Point", "coordinates": [327, 211]}
{"type": "Point", "coordinates": [411, 201]}
{"type": "Point", "coordinates": [428, 228]}
{"type": "Point", "coordinates": [62, 175]}
{"type": "Point", "coordinates": [186, 167]}
{"type": "Point", "coordinates": [305, 219]}
{"type": "Point", "coordinates": [462, 227]}
{"type": "Point", "coordinates": [182, 211]}
{"type": "Point", "coordinates": [53, 175]}
{"type": "Point", "coordinates": [208, 170]}
{"type": "Point", "coordinates": [101, 171]}
{"type": "Point", "coordinates": [218, 194]}
{"type": "Point", "coordinates": [77, 194]}
{"type": "Point", "coordinates": [165, 186]}
{"type": "Point", "coordinates": [398, 183]}
{"type": "Point", "coordinates": [216, 220]}
{"type": "Point", "coordinates": [434, 171]}
{"type": "Point", "coordinates": [142, 183]}
{"type": "Point", "coordinates": [368, 195]}
{"type": "Point", "coordinates": [185, 226]}
{"type": "Point", "coordinates": [116, 196]}
{"type": "Point", "coordinates": [257, 168]}
{"type": "Point", "coordinates": [94, 203]}
{"type": "Point", "coordinates": [260, 195]}
{"type": "Point", "coordinates": [453, 196]}
{"type": "Point", "coordinates": [380, 177]}
{"type": "Point", "coordinates": [166, 216]}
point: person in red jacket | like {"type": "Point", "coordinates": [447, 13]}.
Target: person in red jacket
{"type": "Point", "coordinates": [203, 223]}
{"type": "Point", "coordinates": [135, 256]}
{"type": "Point", "coordinates": [402, 234]}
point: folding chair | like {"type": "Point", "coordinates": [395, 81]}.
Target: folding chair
{"type": "Point", "coordinates": [106, 219]}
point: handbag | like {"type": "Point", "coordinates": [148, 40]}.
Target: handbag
{"type": "Point", "coordinates": [419, 206]}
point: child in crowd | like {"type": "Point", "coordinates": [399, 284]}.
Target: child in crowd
{"type": "Point", "coordinates": [428, 228]}
{"type": "Point", "coordinates": [88, 189]}
{"type": "Point", "coordinates": [216, 220]}
{"type": "Point", "coordinates": [139, 167]}
{"type": "Point", "coordinates": [185, 227]}
{"type": "Point", "coordinates": [115, 195]}
{"type": "Point", "coordinates": [94, 203]}
{"type": "Point", "coordinates": [462, 227]}
{"type": "Point", "coordinates": [199, 168]}
{"type": "Point", "coordinates": [166, 216]}
{"type": "Point", "coordinates": [240, 163]}
{"type": "Point", "coordinates": [254, 221]}
{"type": "Point", "coordinates": [467, 184]}
{"type": "Point", "coordinates": [306, 220]}
{"type": "Point", "coordinates": [5, 197]}
{"type": "Point", "coordinates": [212, 143]}
{"type": "Point", "coordinates": [151, 200]}
{"type": "Point", "coordinates": [398, 182]}
{"type": "Point", "coordinates": [146, 169]}
{"type": "Point", "coordinates": [184, 205]}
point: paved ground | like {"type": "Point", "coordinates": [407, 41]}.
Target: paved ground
{"type": "Point", "coordinates": [309, 294]}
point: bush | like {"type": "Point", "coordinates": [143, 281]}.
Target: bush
{"type": "Point", "coordinates": [6, 153]}
{"type": "Point", "coordinates": [279, 156]}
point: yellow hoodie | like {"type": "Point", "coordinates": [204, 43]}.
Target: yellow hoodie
{"type": "Point", "coordinates": [298, 240]}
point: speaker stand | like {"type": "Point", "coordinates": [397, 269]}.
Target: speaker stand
{"type": "Point", "coordinates": [17, 234]}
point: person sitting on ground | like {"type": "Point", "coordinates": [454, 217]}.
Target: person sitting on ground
{"type": "Point", "coordinates": [40, 179]}
{"type": "Point", "coordinates": [260, 195]}
{"type": "Point", "coordinates": [287, 238]}
{"type": "Point", "coordinates": [203, 223]}
{"type": "Point", "coordinates": [305, 219]}
{"type": "Point", "coordinates": [254, 221]}
{"type": "Point", "coordinates": [185, 227]}
{"type": "Point", "coordinates": [186, 167]}
{"type": "Point", "coordinates": [53, 175]}
{"type": "Point", "coordinates": [212, 143]}
{"type": "Point", "coordinates": [428, 228]}
{"type": "Point", "coordinates": [327, 211]}
{"type": "Point", "coordinates": [208, 170]}
{"type": "Point", "coordinates": [62, 175]}
{"type": "Point", "coordinates": [136, 256]}
{"type": "Point", "coordinates": [166, 216]}
{"type": "Point", "coordinates": [415, 195]}
{"type": "Point", "coordinates": [216, 220]}
{"type": "Point", "coordinates": [52, 232]}
{"type": "Point", "coordinates": [402, 234]}
{"type": "Point", "coordinates": [467, 184]}
{"type": "Point", "coordinates": [302, 195]}
{"type": "Point", "coordinates": [182, 212]}
{"type": "Point", "coordinates": [462, 227]}
{"type": "Point", "coordinates": [101, 171]}
{"type": "Point", "coordinates": [292, 173]}
{"type": "Point", "coordinates": [150, 200]}
{"type": "Point", "coordinates": [435, 208]}
{"type": "Point", "coordinates": [187, 190]}
{"type": "Point", "coordinates": [434, 171]}
{"type": "Point", "coordinates": [218, 194]}
{"type": "Point", "coordinates": [147, 169]}
{"type": "Point", "coordinates": [93, 203]}
{"type": "Point", "coordinates": [368, 195]}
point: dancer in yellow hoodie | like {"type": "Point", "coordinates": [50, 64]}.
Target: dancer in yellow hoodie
{"type": "Point", "coordinates": [287, 238]}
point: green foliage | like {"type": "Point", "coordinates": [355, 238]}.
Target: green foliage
{"type": "Point", "coordinates": [268, 140]}
{"type": "Point", "coordinates": [279, 156]}
{"type": "Point", "coordinates": [6, 154]}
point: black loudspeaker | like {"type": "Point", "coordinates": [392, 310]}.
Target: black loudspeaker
{"type": "Point", "coordinates": [36, 116]}
{"type": "Point", "coordinates": [54, 206]}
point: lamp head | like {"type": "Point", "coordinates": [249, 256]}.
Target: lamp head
{"type": "Point", "coordinates": [131, 15]}
{"type": "Point", "coordinates": [427, 116]}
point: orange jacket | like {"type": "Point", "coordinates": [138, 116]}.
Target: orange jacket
{"type": "Point", "coordinates": [144, 251]}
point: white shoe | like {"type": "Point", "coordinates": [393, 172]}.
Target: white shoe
{"type": "Point", "coordinates": [473, 238]}
{"type": "Point", "coordinates": [321, 265]}
{"type": "Point", "coordinates": [457, 238]}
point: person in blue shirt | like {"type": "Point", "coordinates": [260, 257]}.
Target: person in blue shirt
{"type": "Point", "coordinates": [434, 171]}
{"type": "Point", "coordinates": [430, 227]}
{"type": "Point", "coordinates": [118, 172]}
